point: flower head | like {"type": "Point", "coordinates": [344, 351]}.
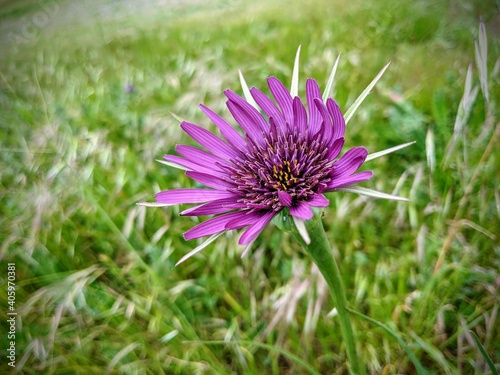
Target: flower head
{"type": "Point", "coordinates": [286, 159]}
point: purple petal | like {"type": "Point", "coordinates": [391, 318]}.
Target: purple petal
{"type": "Point", "coordinates": [249, 218]}
{"type": "Point", "coordinates": [312, 92]}
{"type": "Point", "coordinates": [210, 180]}
{"type": "Point", "coordinates": [211, 226]}
{"type": "Point", "coordinates": [215, 207]}
{"type": "Point", "coordinates": [350, 162]}
{"type": "Point", "coordinates": [273, 127]}
{"type": "Point", "coordinates": [200, 157]}
{"type": "Point", "coordinates": [176, 159]}
{"type": "Point", "coordinates": [231, 135]}
{"type": "Point", "coordinates": [254, 230]}
{"type": "Point", "coordinates": [282, 97]}
{"type": "Point", "coordinates": [284, 198]}
{"type": "Point", "coordinates": [335, 149]}
{"type": "Point", "coordinates": [252, 130]}
{"type": "Point", "coordinates": [302, 211]}
{"type": "Point", "coordinates": [268, 107]}
{"type": "Point", "coordinates": [208, 140]}
{"type": "Point", "coordinates": [248, 109]}
{"type": "Point", "coordinates": [350, 180]}
{"type": "Point", "coordinates": [318, 200]}
{"type": "Point", "coordinates": [327, 128]}
{"type": "Point", "coordinates": [195, 166]}
{"type": "Point", "coordinates": [347, 169]}
{"type": "Point", "coordinates": [299, 115]}
{"type": "Point", "coordinates": [337, 118]}
{"type": "Point", "coordinates": [194, 195]}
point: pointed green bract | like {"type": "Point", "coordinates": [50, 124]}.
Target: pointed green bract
{"type": "Point", "coordinates": [246, 91]}
{"type": "Point", "coordinates": [371, 193]}
{"type": "Point", "coordinates": [170, 164]}
{"type": "Point", "coordinates": [294, 89]}
{"type": "Point", "coordinates": [284, 221]}
{"type": "Point", "coordinates": [153, 204]}
{"type": "Point", "coordinates": [178, 118]}
{"type": "Point", "coordinates": [196, 250]}
{"type": "Point", "coordinates": [363, 95]}
{"type": "Point", "coordinates": [388, 151]}
{"type": "Point", "coordinates": [331, 79]}
{"type": "Point", "coordinates": [301, 228]}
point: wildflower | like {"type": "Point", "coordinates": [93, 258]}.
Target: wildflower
{"type": "Point", "coordinates": [128, 88]}
{"type": "Point", "coordinates": [286, 159]}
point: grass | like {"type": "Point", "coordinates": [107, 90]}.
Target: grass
{"type": "Point", "coordinates": [97, 287]}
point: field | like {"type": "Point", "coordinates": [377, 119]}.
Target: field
{"type": "Point", "coordinates": [87, 92]}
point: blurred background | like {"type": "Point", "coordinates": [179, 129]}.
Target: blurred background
{"type": "Point", "coordinates": [86, 92]}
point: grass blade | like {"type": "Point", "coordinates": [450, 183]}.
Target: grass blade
{"type": "Point", "coordinates": [122, 353]}
{"type": "Point", "coordinates": [292, 356]}
{"type": "Point", "coordinates": [418, 366]}
{"type": "Point", "coordinates": [430, 150]}
{"type": "Point", "coordinates": [434, 353]}
{"type": "Point", "coordinates": [481, 51]}
{"type": "Point", "coordinates": [463, 112]}
{"type": "Point", "coordinates": [483, 353]}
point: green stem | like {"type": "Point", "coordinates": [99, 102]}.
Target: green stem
{"type": "Point", "coordinates": [320, 251]}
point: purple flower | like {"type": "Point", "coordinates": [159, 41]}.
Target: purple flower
{"type": "Point", "coordinates": [286, 158]}
{"type": "Point", "coordinates": [128, 88]}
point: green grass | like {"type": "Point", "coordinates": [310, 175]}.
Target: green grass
{"type": "Point", "coordinates": [97, 288]}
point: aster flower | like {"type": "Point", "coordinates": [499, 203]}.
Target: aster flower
{"type": "Point", "coordinates": [286, 157]}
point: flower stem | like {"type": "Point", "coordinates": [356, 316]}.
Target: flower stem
{"type": "Point", "coordinates": [320, 251]}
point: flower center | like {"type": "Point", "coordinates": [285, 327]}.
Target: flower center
{"type": "Point", "coordinates": [286, 162]}
{"type": "Point", "coordinates": [284, 175]}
